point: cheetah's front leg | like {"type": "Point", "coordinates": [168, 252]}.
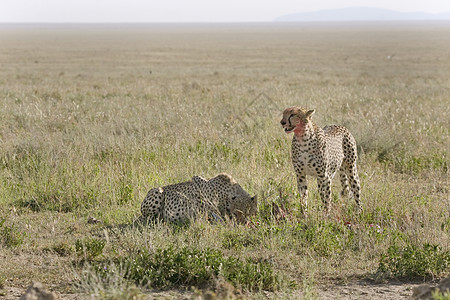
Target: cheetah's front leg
{"type": "Point", "coordinates": [302, 191]}
{"type": "Point", "coordinates": [324, 185]}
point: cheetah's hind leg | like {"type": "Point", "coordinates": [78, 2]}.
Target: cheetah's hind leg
{"type": "Point", "coordinates": [356, 188]}
{"type": "Point", "coordinates": [151, 207]}
{"type": "Point", "coordinates": [354, 185]}
{"type": "Point", "coordinates": [344, 182]}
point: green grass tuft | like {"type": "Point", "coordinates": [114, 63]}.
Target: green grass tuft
{"type": "Point", "coordinates": [10, 236]}
{"type": "Point", "coordinates": [89, 248]}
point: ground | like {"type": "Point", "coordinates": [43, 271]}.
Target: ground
{"type": "Point", "coordinates": [352, 290]}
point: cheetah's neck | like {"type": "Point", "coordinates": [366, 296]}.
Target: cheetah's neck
{"type": "Point", "coordinates": [305, 132]}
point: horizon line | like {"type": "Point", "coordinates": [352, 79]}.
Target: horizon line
{"type": "Point", "coordinates": [212, 22]}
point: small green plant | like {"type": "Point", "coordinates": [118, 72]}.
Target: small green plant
{"type": "Point", "coordinates": [9, 235]}
{"type": "Point", "coordinates": [89, 248]}
{"type": "Point", "coordinates": [412, 262]}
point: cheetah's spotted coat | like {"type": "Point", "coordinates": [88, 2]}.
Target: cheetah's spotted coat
{"type": "Point", "coordinates": [321, 153]}
{"type": "Point", "coordinates": [217, 197]}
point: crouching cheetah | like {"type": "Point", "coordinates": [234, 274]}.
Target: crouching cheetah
{"type": "Point", "coordinates": [218, 197]}
{"type": "Point", "coordinates": [321, 152]}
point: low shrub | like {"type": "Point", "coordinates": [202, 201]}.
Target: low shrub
{"type": "Point", "coordinates": [412, 262]}
{"type": "Point", "coordinates": [188, 266]}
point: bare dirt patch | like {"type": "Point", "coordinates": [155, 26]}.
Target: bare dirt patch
{"type": "Point", "coordinates": [367, 290]}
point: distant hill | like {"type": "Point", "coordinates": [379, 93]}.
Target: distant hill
{"type": "Point", "coordinates": [360, 14]}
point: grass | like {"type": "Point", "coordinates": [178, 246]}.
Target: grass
{"type": "Point", "coordinates": [92, 120]}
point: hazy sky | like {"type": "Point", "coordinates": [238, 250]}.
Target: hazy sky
{"type": "Point", "coordinates": [188, 10]}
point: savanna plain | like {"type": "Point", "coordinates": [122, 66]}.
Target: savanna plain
{"type": "Point", "coordinates": [92, 117]}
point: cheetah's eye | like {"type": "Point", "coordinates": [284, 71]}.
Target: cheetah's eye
{"type": "Point", "coordinates": [289, 119]}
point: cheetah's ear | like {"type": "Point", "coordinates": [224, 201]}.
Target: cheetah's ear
{"type": "Point", "coordinates": [199, 179]}
{"type": "Point", "coordinates": [309, 113]}
{"type": "Point", "coordinates": [225, 177]}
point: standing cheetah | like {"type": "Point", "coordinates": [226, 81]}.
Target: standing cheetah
{"type": "Point", "coordinates": [320, 153]}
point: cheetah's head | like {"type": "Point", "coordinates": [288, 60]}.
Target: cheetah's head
{"type": "Point", "coordinates": [241, 204]}
{"type": "Point", "coordinates": [295, 118]}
